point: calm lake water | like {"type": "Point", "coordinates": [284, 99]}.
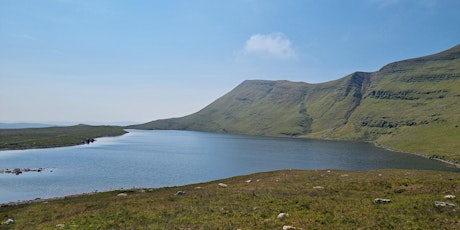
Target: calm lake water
{"type": "Point", "coordinates": [145, 159]}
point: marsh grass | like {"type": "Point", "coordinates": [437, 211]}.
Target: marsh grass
{"type": "Point", "coordinates": [325, 199]}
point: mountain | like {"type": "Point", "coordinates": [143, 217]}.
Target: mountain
{"type": "Point", "coordinates": [411, 105]}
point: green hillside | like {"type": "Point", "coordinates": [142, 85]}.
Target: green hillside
{"type": "Point", "coordinates": [411, 105]}
{"type": "Point", "coordinates": [54, 136]}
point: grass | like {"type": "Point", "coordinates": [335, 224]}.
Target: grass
{"type": "Point", "coordinates": [325, 199]}
{"type": "Point", "coordinates": [53, 136]}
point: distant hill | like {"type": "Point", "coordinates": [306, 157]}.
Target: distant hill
{"type": "Point", "coordinates": [49, 137]}
{"type": "Point", "coordinates": [411, 105]}
{"type": "Point", "coordinates": [23, 125]}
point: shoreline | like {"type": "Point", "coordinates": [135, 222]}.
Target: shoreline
{"type": "Point", "coordinates": [124, 190]}
{"type": "Point", "coordinates": [378, 145]}
{"type": "Point", "coordinates": [303, 198]}
{"type": "Point", "coordinates": [55, 137]}
{"type": "Point", "coordinates": [45, 200]}
{"type": "Point", "coordinates": [82, 143]}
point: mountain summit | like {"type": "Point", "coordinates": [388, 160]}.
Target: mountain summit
{"type": "Point", "coordinates": [411, 105]}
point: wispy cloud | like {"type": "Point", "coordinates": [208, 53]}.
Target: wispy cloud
{"type": "Point", "coordinates": [274, 45]}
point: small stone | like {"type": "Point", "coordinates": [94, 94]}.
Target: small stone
{"type": "Point", "coordinates": [283, 215]}
{"type": "Point", "coordinates": [248, 181]}
{"type": "Point", "coordinates": [223, 185]}
{"type": "Point", "coordinates": [60, 225]}
{"type": "Point", "coordinates": [122, 194]}
{"type": "Point", "coordinates": [449, 196]}
{"type": "Point", "coordinates": [180, 193]}
{"type": "Point", "coordinates": [318, 187]}
{"type": "Point", "coordinates": [288, 227]}
{"type": "Point", "coordinates": [443, 204]}
{"type": "Point", "coordinates": [381, 200]}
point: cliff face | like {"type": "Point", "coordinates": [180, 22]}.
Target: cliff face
{"type": "Point", "coordinates": [411, 105]}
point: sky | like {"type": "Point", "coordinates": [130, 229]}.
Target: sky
{"type": "Point", "coordinates": [116, 61]}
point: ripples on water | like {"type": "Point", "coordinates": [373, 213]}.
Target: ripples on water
{"type": "Point", "coordinates": [169, 158]}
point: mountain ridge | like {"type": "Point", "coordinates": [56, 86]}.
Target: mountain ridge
{"type": "Point", "coordinates": [409, 105]}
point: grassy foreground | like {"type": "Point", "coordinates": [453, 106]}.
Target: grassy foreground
{"type": "Point", "coordinates": [54, 136]}
{"type": "Point", "coordinates": [325, 199]}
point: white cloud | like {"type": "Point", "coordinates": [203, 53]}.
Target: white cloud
{"type": "Point", "coordinates": [275, 44]}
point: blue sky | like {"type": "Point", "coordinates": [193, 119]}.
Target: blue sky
{"type": "Point", "coordinates": [98, 61]}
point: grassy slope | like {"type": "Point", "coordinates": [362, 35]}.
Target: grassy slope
{"type": "Point", "coordinates": [54, 136]}
{"type": "Point", "coordinates": [411, 105]}
{"type": "Point", "coordinates": [344, 201]}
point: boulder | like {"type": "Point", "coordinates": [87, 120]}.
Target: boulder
{"type": "Point", "coordinates": [381, 200]}
{"type": "Point", "coordinates": [9, 221]}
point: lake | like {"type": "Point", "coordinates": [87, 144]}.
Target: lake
{"type": "Point", "coordinates": [146, 159]}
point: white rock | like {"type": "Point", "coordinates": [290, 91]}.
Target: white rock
{"type": "Point", "coordinates": [222, 185]}
{"type": "Point", "coordinates": [9, 221]}
{"type": "Point", "coordinates": [318, 187]}
{"type": "Point", "coordinates": [60, 225]}
{"type": "Point", "coordinates": [288, 227]}
{"type": "Point", "coordinates": [381, 200]}
{"type": "Point", "coordinates": [449, 196]}
{"type": "Point", "coordinates": [248, 181]}
{"type": "Point", "coordinates": [282, 215]}
{"type": "Point", "coordinates": [180, 193]}
{"type": "Point", "coordinates": [122, 194]}
{"type": "Point", "coordinates": [443, 204]}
